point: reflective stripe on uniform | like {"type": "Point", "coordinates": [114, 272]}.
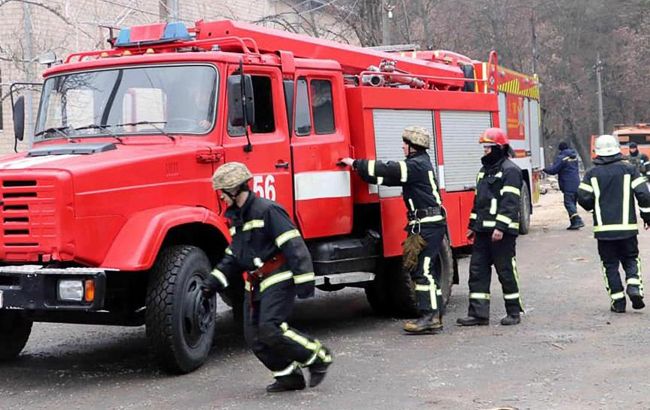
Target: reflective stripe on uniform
{"type": "Point", "coordinates": [301, 340]}
{"type": "Point", "coordinates": [432, 282]}
{"type": "Point", "coordinates": [489, 224]}
{"type": "Point", "coordinates": [511, 296]}
{"type": "Point", "coordinates": [247, 286]}
{"type": "Point", "coordinates": [638, 181]}
{"type": "Point", "coordinates": [228, 251]}
{"type": "Point", "coordinates": [633, 281]}
{"type": "Point", "coordinates": [371, 167]}
{"type": "Point", "coordinates": [504, 219]}
{"type": "Point", "coordinates": [472, 216]}
{"type": "Point", "coordinates": [275, 279]}
{"type": "Point", "coordinates": [585, 187]}
{"type": "Point", "coordinates": [232, 231]}
{"type": "Point", "coordinates": [514, 225]}
{"type": "Point", "coordinates": [479, 176]}
{"type": "Point", "coordinates": [403, 171]}
{"type": "Point", "coordinates": [617, 295]}
{"type": "Point", "coordinates": [493, 206]}
{"type": "Point", "coordinates": [303, 278]}
{"type": "Point", "coordinates": [411, 205]}
{"type": "Point", "coordinates": [426, 219]}
{"type": "Point", "coordinates": [220, 277]}
{"type": "Point", "coordinates": [287, 371]}
{"type": "Point", "coordinates": [626, 199]}
{"type": "Point", "coordinates": [380, 180]}
{"type": "Point", "coordinates": [615, 227]}
{"type": "Point", "coordinates": [282, 238]}
{"type": "Point", "coordinates": [434, 187]}
{"type": "Point", "coordinates": [644, 209]}
{"type": "Point", "coordinates": [594, 185]}
{"type": "Point", "coordinates": [477, 295]}
{"type": "Point", "coordinates": [498, 174]}
{"type": "Point", "coordinates": [252, 224]}
{"type": "Point", "coordinates": [511, 189]}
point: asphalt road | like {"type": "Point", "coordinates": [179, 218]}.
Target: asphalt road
{"type": "Point", "coordinates": [569, 352]}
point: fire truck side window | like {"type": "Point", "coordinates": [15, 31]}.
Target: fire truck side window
{"type": "Point", "coordinates": [264, 110]}
{"type": "Point", "coordinates": [321, 105]}
{"type": "Point", "coordinates": [303, 118]}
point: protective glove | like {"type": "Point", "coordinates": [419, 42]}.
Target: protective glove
{"type": "Point", "coordinates": [305, 290]}
{"type": "Point", "coordinates": [215, 282]}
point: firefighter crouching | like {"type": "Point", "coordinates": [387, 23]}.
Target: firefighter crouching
{"type": "Point", "coordinates": [494, 226]}
{"type": "Point", "coordinates": [426, 221]}
{"type": "Point", "coordinates": [267, 245]}
{"type": "Point", "coordinates": [607, 190]}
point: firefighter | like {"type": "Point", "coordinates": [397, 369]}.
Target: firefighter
{"type": "Point", "coordinates": [267, 245]}
{"type": "Point", "coordinates": [639, 159]}
{"type": "Point", "coordinates": [606, 189]}
{"type": "Point", "coordinates": [493, 227]}
{"type": "Point", "coordinates": [426, 225]}
{"type": "Point", "coordinates": [566, 167]}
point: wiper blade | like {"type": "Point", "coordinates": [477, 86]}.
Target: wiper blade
{"type": "Point", "coordinates": [152, 123]}
{"type": "Point", "coordinates": [58, 130]}
{"type": "Point", "coordinates": [102, 128]}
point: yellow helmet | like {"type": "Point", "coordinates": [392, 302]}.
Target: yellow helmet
{"type": "Point", "coordinates": [230, 176]}
{"type": "Point", "coordinates": [417, 136]}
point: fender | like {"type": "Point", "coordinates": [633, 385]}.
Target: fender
{"type": "Point", "coordinates": [136, 245]}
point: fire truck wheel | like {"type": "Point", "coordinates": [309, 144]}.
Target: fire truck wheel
{"type": "Point", "coordinates": [180, 323]}
{"type": "Point", "coordinates": [524, 212]}
{"type": "Point", "coordinates": [378, 293]}
{"type": "Point", "coordinates": [14, 332]}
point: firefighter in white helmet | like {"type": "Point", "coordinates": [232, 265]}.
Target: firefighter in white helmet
{"type": "Point", "coordinates": [426, 221]}
{"type": "Point", "coordinates": [607, 190]}
{"type": "Point", "coordinates": [267, 245]}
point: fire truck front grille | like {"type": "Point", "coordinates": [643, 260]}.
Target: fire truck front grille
{"type": "Point", "coordinates": [28, 213]}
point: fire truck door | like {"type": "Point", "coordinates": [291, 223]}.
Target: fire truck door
{"type": "Point", "coordinates": [269, 158]}
{"type": "Point", "coordinates": [320, 137]}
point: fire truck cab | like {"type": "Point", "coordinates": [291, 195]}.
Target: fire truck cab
{"type": "Point", "coordinates": [111, 218]}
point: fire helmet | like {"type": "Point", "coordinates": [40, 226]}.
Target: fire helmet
{"type": "Point", "coordinates": [607, 145]}
{"type": "Point", "coordinates": [230, 176]}
{"type": "Point", "coordinates": [494, 136]}
{"type": "Point", "coordinates": [417, 136]}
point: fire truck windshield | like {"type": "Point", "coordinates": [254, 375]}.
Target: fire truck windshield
{"type": "Point", "coordinates": [128, 101]}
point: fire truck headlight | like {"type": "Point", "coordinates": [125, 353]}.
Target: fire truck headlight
{"type": "Point", "coordinates": [70, 290]}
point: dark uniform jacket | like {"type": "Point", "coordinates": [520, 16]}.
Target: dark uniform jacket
{"type": "Point", "coordinates": [607, 189]}
{"type": "Point", "coordinates": [566, 168]}
{"type": "Point", "coordinates": [419, 185]}
{"type": "Point", "coordinates": [260, 230]}
{"type": "Point", "coordinates": [497, 200]}
{"type": "Point", "coordinates": [641, 161]}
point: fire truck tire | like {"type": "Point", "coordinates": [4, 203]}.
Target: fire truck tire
{"type": "Point", "coordinates": [524, 212]}
{"type": "Point", "coordinates": [378, 293]}
{"type": "Point", "coordinates": [14, 332]}
{"type": "Point", "coordinates": [180, 325]}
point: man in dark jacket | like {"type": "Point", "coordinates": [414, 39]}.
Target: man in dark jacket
{"type": "Point", "coordinates": [566, 168]}
{"type": "Point", "coordinates": [639, 159]}
{"type": "Point", "coordinates": [607, 190]}
{"type": "Point", "coordinates": [426, 227]}
{"type": "Point", "coordinates": [494, 226]}
{"type": "Point", "coordinates": [267, 245]}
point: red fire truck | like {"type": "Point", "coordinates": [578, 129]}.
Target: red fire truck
{"type": "Point", "coordinates": [111, 218]}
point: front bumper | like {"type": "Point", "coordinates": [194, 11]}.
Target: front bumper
{"type": "Point", "coordinates": [33, 287]}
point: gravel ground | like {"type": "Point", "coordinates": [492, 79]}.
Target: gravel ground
{"type": "Point", "coordinates": [570, 352]}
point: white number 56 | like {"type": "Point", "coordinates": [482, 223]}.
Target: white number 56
{"type": "Point", "coordinates": [263, 186]}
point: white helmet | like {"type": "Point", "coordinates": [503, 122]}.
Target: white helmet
{"type": "Point", "coordinates": [607, 145]}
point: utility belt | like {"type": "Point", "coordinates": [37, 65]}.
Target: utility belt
{"type": "Point", "coordinates": [423, 213]}
{"type": "Point", "coordinates": [270, 266]}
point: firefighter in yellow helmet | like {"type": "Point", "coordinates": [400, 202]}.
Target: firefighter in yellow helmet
{"type": "Point", "coordinates": [426, 226]}
{"type": "Point", "coordinates": [494, 226]}
{"type": "Point", "coordinates": [607, 190]}
{"type": "Point", "coordinates": [267, 245]}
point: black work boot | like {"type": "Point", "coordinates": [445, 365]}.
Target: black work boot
{"type": "Point", "coordinates": [427, 323]}
{"type": "Point", "coordinates": [635, 297]}
{"type": "Point", "coordinates": [510, 320]}
{"type": "Point", "coordinates": [318, 369]}
{"type": "Point", "coordinates": [472, 321]}
{"type": "Point", "coordinates": [293, 381]}
{"type": "Point", "coordinates": [576, 223]}
{"type": "Point", "coordinates": [618, 306]}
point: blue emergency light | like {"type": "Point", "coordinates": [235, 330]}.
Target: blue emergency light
{"type": "Point", "coordinates": [152, 34]}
